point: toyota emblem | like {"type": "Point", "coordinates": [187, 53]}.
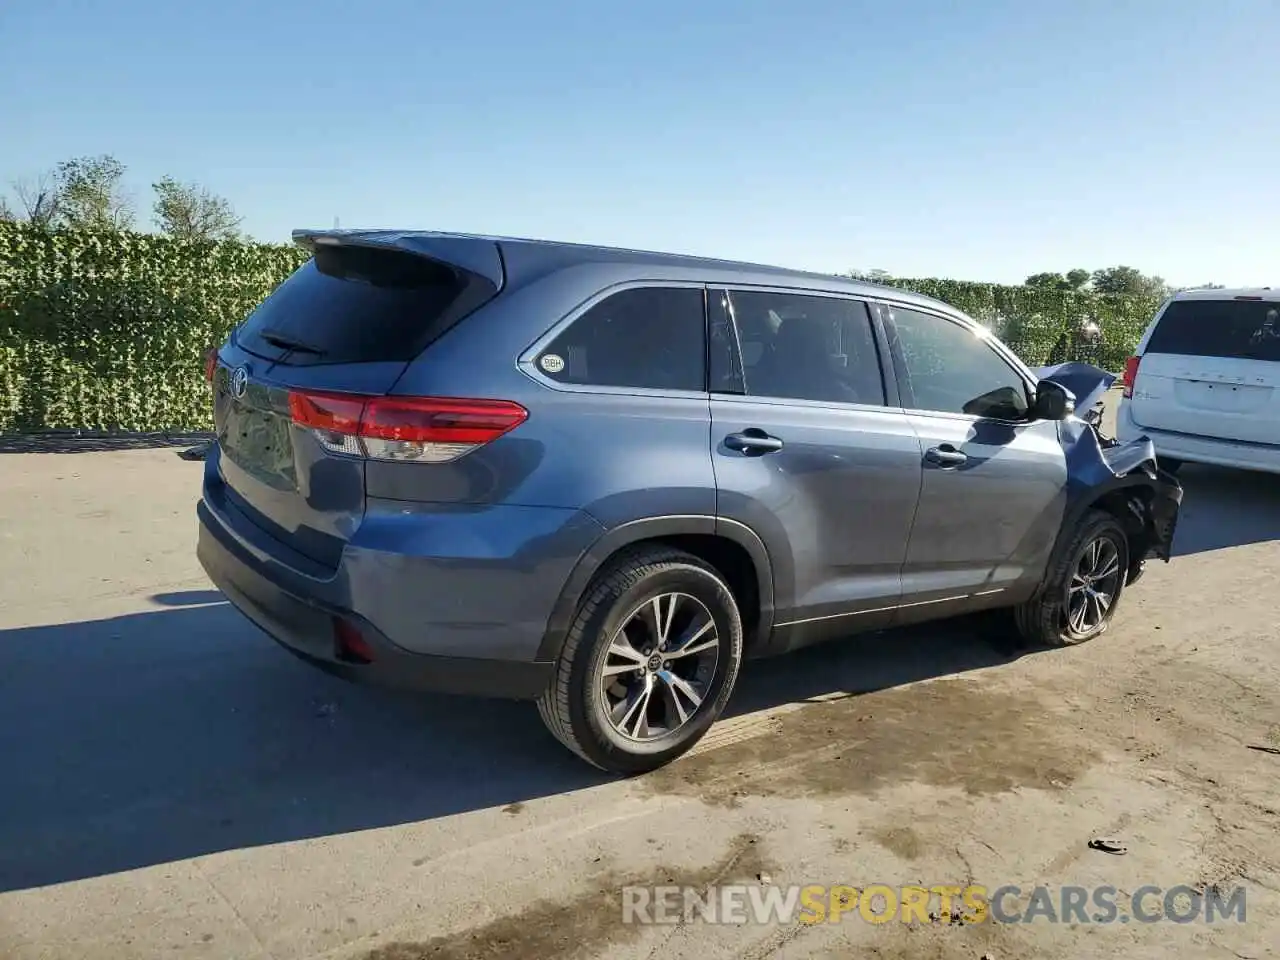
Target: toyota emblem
{"type": "Point", "coordinates": [239, 381]}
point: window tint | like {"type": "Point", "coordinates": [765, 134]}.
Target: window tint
{"type": "Point", "coordinates": [807, 348]}
{"type": "Point", "coordinates": [351, 304]}
{"type": "Point", "coordinates": [1247, 329]}
{"type": "Point", "coordinates": [650, 337]}
{"type": "Point", "coordinates": [943, 366]}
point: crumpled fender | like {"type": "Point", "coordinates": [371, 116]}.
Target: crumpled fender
{"type": "Point", "coordinates": [1125, 475]}
{"type": "Point", "coordinates": [1134, 464]}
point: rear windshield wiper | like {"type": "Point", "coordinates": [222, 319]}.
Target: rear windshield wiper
{"type": "Point", "coordinates": [286, 342]}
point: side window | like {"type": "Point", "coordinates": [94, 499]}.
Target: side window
{"type": "Point", "coordinates": [725, 362]}
{"type": "Point", "coordinates": [943, 366]}
{"type": "Point", "coordinates": [802, 347]}
{"type": "Point", "coordinates": [647, 337]}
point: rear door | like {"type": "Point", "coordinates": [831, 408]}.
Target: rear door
{"type": "Point", "coordinates": [623, 429]}
{"type": "Point", "coordinates": [347, 322]}
{"type": "Point", "coordinates": [1211, 367]}
{"type": "Point", "coordinates": [809, 453]}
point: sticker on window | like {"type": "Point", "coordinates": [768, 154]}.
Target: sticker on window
{"type": "Point", "coordinates": [552, 363]}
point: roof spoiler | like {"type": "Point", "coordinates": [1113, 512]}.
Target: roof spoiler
{"type": "Point", "coordinates": [479, 256]}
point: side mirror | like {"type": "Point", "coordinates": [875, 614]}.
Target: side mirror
{"type": "Point", "coordinates": [1053, 401]}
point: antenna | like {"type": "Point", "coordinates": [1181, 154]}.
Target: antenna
{"type": "Point", "coordinates": [335, 222]}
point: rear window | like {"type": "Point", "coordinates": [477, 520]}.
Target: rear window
{"type": "Point", "coordinates": [354, 304]}
{"type": "Point", "coordinates": [1247, 329]}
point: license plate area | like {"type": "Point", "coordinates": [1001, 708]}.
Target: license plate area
{"type": "Point", "coordinates": [1221, 397]}
{"type": "Point", "coordinates": [260, 442]}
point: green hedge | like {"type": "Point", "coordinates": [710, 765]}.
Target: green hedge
{"type": "Point", "coordinates": [105, 332]}
{"type": "Point", "coordinates": [1041, 325]}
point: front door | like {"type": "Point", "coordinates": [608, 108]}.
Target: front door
{"type": "Point", "coordinates": [993, 488]}
{"type": "Point", "coordinates": [807, 453]}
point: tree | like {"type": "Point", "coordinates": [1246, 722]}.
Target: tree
{"type": "Point", "coordinates": [872, 276]}
{"type": "Point", "coordinates": [90, 195]}
{"type": "Point", "coordinates": [1077, 279]}
{"type": "Point", "coordinates": [190, 211]}
{"type": "Point", "coordinates": [40, 200]}
{"type": "Point", "coordinates": [1047, 281]}
{"type": "Point", "coordinates": [1130, 281]}
{"type": "Point", "coordinates": [1071, 280]}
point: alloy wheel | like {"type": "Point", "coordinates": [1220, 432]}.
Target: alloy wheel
{"type": "Point", "coordinates": [659, 666]}
{"type": "Point", "coordinates": [1093, 587]}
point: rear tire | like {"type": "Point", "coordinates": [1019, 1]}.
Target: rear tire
{"type": "Point", "coordinates": [1083, 589]}
{"type": "Point", "coordinates": [620, 699]}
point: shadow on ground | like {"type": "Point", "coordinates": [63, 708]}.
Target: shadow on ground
{"type": "Point", "coordinates": [170, 734]}
{"type": "Point", "coordinates": [1226, 508]}
{"type": "Point", "coordinates": [75, 443]}
{"type": "Point", "coordinates": [187, 598]}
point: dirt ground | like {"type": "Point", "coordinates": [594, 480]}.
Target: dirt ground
{"type": "Point", "coordinates": [175, 785]}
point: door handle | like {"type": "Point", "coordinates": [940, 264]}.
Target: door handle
{"type": "Point", "coordinates": [945, 456]}
{"type": "Point", "coordinates": [753, 442]}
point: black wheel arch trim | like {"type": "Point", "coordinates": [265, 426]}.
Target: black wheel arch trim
{"type": "Point", "coordinates": [654, 528]}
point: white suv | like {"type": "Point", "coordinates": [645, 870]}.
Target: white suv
{"type": "Point", "coordinates": [1205, 385]}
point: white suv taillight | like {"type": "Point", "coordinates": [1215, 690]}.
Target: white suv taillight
{"type": "Point", "coordinates": [410, 429]}
{"type": "Point", "coordinates": [1130, 376]}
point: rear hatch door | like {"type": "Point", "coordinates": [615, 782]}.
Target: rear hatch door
{"type": "Point", "coordinates": [1211, 367]}
{"type": "Point", "coordinates": [347, 322]}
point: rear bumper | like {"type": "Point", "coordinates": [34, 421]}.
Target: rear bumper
{"type": "Point", "coordinates": [301, 620]}
{"type": "Point", "coordinates": [1199, 449]}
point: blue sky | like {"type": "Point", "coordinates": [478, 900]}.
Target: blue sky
{"type": "Point", "coordinates": [981, 140]}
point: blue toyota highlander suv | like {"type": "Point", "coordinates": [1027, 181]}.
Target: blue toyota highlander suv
{"type": "Point", "coordinates": [600, 478]}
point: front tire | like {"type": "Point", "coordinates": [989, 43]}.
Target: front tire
{"type": "Point", "coordinates": [648, 664]}
{"type": "Point", "coordinates": [1082, 592]}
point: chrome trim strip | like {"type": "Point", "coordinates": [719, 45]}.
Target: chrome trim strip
{"type": "Point", "coordinates": [834, 616]}
{"type": "Point", "coordinates": [900, 606]}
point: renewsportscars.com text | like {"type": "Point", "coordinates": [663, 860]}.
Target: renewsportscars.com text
{"type": "Point", "coordinates": [972, 903]}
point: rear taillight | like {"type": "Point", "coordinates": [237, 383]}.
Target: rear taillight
{"type": "Point", "coordinates": [333, 418]}
{"type": "Point", "coordinates": [349, 644]}
{"type": "Point", "coordinates": [417, 429]}
{"type": "Point", "coordinates": [210, 363]}
{"type": "Point", "coordinates": [1130, 375]}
